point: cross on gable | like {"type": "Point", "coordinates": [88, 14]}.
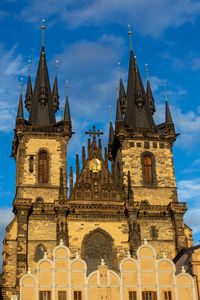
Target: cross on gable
{"type": "Point", "coordinates": [94, 133]}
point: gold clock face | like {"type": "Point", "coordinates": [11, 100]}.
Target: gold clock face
{"type": "Point", "coordinates": [95, 165]}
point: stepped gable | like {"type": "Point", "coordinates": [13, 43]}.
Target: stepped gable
{"type": "Point", "coordinates": [95, 182]}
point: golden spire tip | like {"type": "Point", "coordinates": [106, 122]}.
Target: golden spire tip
{"type": "Point", "coordinates": [57, 61]}
{"type": "Point", "coordinates": [165, 93]}
{"type": "Point", "coordinates": [130, 33]}
{"type": "Point", "coordinates": [43, 28]}
{"type": "Point", "coordinates": [120, 70]}
{"type": "Point", "coordinates": [147, 71]}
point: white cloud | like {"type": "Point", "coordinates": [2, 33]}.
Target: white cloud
{"type": "Point", "coordinates": [12, 66]}
{"type": "Point", "coordinates": [148, 17]}
{"type": "Point", "coordinates": [6, 217]}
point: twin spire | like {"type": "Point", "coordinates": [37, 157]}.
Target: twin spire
{"type": "Point", "coordinates": [41, 103]}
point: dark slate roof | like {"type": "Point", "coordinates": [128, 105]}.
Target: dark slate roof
{"type": "Point", "coordinates": [20, 112]}
{"type": "Point", "coordinates": [185, 250]}
{"type": "Point", "coordinates": [111, 134]}
{"type": "Point", "coordinates": [138, 113]}
{"type": "Point", "coordinates": [168, 117]}
{"type": "Point", "coordinates": [42, 114]}
{"type": "Point", "coordinates": [67, 116]}
{"type": "Point", "coordinates": [118, 112]}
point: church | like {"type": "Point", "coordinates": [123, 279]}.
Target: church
{"type": "Point", "coordinates": [114, 232]}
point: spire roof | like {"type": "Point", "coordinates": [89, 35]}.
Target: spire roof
{"type": "Point", "coordinates": [150, 97]}
{"type": "Point", "coordinates": [29, 93]}
{"type": "Point", "coordinates": [111, 134]}
{"type": "Point", "coordinates": [55, 95]}
{"type": "Point", "coordinates": [42, 110]}
{"type": "Point", "coordinates": [168, 117]}
{"type": "Point", "coordinates": [67, 116]}
{"type": "Point", "coordinates": [118, 111]}
{"type": "Point", "coordinates": [122, 93]}
{"type": "Point", "coordinates": [20, 112]}
{"type": "Point", "coordinates": [138, 113]}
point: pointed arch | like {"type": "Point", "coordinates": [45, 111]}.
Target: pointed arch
{"type": "Point", "coordinates": [148, 168]}
{"type": "Point", "coordinates": [97, 245]}
{"type": "Point", "coordinates": [43, 163]}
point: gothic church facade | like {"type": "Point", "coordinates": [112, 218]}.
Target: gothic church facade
{"type": "Point", "coordinates": [104, 214]}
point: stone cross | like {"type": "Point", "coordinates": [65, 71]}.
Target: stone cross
{"type": "Point", "coordinates": [94, 133]}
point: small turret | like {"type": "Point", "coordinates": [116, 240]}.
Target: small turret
{"type": "Point", "coordinates": [20, 111]}
{"type": "Point", "coordinates": [168, 117]}
{"type": "Point", "coordinates": [149, 94]}
{"type": "Point", "coordinates": [55, 95]}
{"type": "Point", "coordinates": [29, 92]}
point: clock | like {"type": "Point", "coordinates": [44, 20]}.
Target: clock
{"type": "Point", "coordinates": [95, 165]}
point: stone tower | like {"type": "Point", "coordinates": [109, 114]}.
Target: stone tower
{"type": "Point", "coordinates": [106, 213]}
{"type": "Point", "coordinates": [40, 151]}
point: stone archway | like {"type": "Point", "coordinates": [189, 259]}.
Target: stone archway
{"type": "Point", "coordinates": [98, 245]}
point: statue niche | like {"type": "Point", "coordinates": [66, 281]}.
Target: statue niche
{"type": "Point", "coordinates": [98, 245]}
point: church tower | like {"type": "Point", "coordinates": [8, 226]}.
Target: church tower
{"type": "Point", "coordinates": [142, 162]}
{"type": "Point", "coordinates": [40, 202]}
{"type": "Point", "coordinates": [106, 214]}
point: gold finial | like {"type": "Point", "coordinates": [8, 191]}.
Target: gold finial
{"type": "Point", "coordinates": [165, 93]}
{"type": "Point", "coordinates": [110, 113]}
{"type": "Point", "coordinates": [43, 28]}
{"type": "Point", "coordinates": [117, 88]}
{"type": "Point", "coordinates": [57, 61]}
{"type": "Point", "coordinates": [147, 71]}
{"type": "Point", "coordinates": [130, 33]}
{"type": "Point", "coordinates": [29, 66]}
{"type": "Point", "coordinates": [120, 70]}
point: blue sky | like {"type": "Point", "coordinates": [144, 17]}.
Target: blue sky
{"type": "Point", "coordinates": [89, 38]}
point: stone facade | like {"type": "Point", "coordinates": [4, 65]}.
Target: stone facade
{"type": "Point", "coordinates": [105, 213]}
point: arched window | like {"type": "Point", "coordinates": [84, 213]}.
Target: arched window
{"type": "Point", "coordinates": [148, 176]}
{"type": "Point", "coordinates": [39, 252]}
{"type": "Point", "coordinates": [43, 166]}
{"type": "Point", "coordinates": [96, 246]}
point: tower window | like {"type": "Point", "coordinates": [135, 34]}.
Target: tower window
{"type": "Point", "coordinates": [43, 167]}
{"type": "Point", "coordinates": [153, 233]}
{"type": "Point", "coordinates": [148, 178]}
{"type": "Point", "coordinates": [132, 295]}
{"type": "Point", "coordinates": [168, 295]}
{"type": "Point", "coordinates": [39, 252]}
{"type": "Point", "coordinates": [45, 295]}
{"type": "Point", "coordinates": [77, 295]}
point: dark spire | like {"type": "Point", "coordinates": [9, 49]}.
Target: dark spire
{"type": "Point", "coordinates": [168, 117]}
{"type": "Point", "coordinates": [118, 112]}
{"type": "Point", "coordinates": [83, 157]}
{"type": "Point", "coordinates": [100, 147]}
{"type": "Point", "coordinates": [29, 94]}
{"type": "Point", "coordinates": [67, 116]}
{"type": "Point", "coordinates": [111, 134]}
{"type": "Point", "coordinates": [77, 167]}
{"type": "Point", "coordinates": [55, 95]}
{"type": "Point", "coordinates": [106, 157]}
{"type": "Point", "coordinates": [20, 112]}
{"type": "Point", "coordinates": [42, 110]}
{"type": "Point", "coordinates": [150, 97]}
{"type": "Point", "coordinates": [138, 114]}
{"type": "Point", "coordinates": [122, 93]}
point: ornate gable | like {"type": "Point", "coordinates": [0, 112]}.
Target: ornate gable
{"type": "Point", "coordinates": [95, 183]}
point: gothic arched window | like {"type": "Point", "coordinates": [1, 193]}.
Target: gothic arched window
{"type": "Point", "coordinates": [153, 233]}
{"type": "Point", "coordinates": [96, 246]}
{"type": "Point", "coordinates": [148, 178]}
{"type": "Point", "coordinates": [43, 167]}
{"type": "Point", "coordinates": [39, 252]}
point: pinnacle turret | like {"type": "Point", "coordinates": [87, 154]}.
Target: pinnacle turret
{"type": "Point", "coordinates": [168, 117]}
{"type": "Point", "coordinates": [29, 94]}
{"type": "Point", "coordinates": [55, 95]}
{"type": "Point", "coordinates": [118, 112]}
{"type": "Point", "coordinates": [67, 116]}
{"type": "Point", "coordinates": [111, 134]}
{"type": "Point", "coordinates": [20, 111]}
{"type": "Point", "coordinates": [149, 96]}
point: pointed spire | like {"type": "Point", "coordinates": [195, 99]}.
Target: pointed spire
{"type": "Point", "coordinates": [55, 95]}
{"type": "Point", "coordinates": [20, 113]}
{"type": "Point", "coordinates": [83, 157]}
{"type": "Point", "coordinates": [118, 112]}
{"type": "Point", "coordinates": [122, 93]}
{"type": "Point", "coordinates": [100, 147]}
{"type": "Point", "coordinates": [29, 91]}
{"type": "Point", "coordinates": [168, 117]}
{"type": "Point", "coordinates": [77, 167]}
{"type": "Point", "coordinates": [149, 93]}
{"type": "Point", "coordinates": [42, 110]}
{"type": "Point", "coordinates": [111, 134]}
{"type": "Point", "coordinates": [67, 110]}
{"type": "Point", "coordinates": [106, 157]}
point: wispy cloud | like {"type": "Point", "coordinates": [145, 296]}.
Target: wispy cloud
{"type": "Point", "coordinates": [6, 216]}
{"type": "Point", "coordinates": [156, 16]}
{"type": "Point", "coordinates": [12, 67]}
